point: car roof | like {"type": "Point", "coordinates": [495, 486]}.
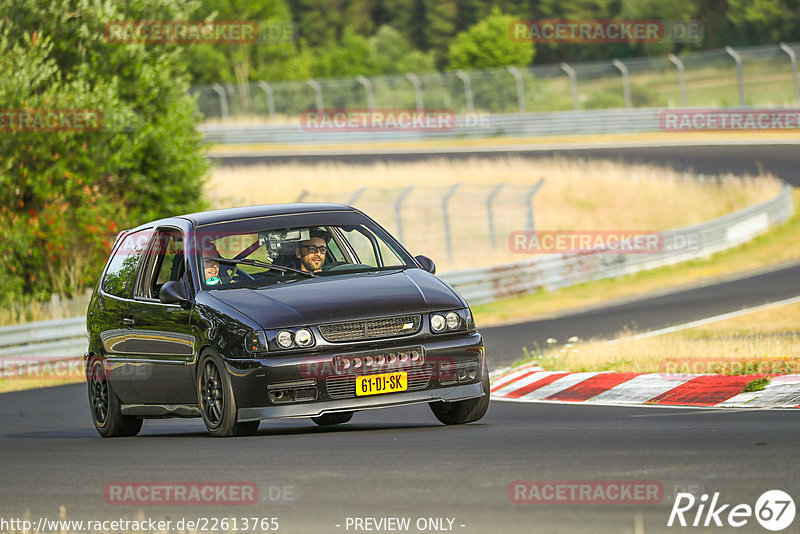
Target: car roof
{"type": "Point", "coordinates": [247, 212]}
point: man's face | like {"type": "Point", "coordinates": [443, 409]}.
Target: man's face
{"type": "Point", "coordinates": [311, 257]}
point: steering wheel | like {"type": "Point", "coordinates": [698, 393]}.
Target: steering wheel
{"type": "Point", "coordinates": [333, 265]}
{"type": "Point", "coordinates": [237, 272]}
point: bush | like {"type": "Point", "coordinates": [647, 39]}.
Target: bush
{"type": "Point", "coordinates": [488, 45]}
{"type": "Point", "coordinates": [65, 193]}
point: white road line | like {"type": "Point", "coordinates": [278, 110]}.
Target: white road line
{"type": "Point", "coordinates": [707, 320]}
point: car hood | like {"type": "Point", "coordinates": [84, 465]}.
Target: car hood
{"type": "Point", "coordinates": [342, 297]}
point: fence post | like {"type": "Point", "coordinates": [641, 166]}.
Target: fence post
{"type": "Point", "coordinates": [356, 195]}
{"type": "Point", "coordinates": [529, 203]}
{"type": "Point", "coordinates": [417, 89]}
{"type": "Point", "coordinates": [317, 92]}
{"type": "Point", "coordinates": [793, 58]}
{"type": "Point", "coordinates": [398, 216]}
{"type": "Point", "coordinates": [520, 87]}
{"type": "Point", "coordinates": [223, 100]}
{"type": "Point", "coordinates": [267, 88]}
{"type": "Point", "coordinates": [681, 76]}
{"type": "Point", "coordinates": [573, 82]}
{"type": "Point", "coordinates": [490, 213]}
{"type": "Point", "coordinates": [464, 77]}
{"type": "Point", "coordinates": [363, 80]}
{"type": "Point", "coordinates": [446, 219]}
{"type": "Point", "coordinates": [626, 83]}
{"type": "Point", "coordinates": [738, 59]}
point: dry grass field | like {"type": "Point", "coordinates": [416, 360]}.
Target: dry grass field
{"type": "Point", "coordinates": [576, 195]}
{"type": "Point", "coordinates": [764, 341]}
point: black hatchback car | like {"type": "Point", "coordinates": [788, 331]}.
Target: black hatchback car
{"type": "Point", "coordinates": [293, 310]}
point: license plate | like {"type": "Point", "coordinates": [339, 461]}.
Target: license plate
{"type": "Point", "coordinates": [383, 383]}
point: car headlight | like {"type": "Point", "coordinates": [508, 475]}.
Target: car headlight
{"type": "Point", "coordinates": [438, 323]}
{"type": "Point", "coordinates": [453, 320]}
{"type": "Point", "coordinates": [285, 339]}
{"type": "Point", "coordinates": [303, 337]}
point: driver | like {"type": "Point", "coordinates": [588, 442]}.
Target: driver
{"type": "Point", "coordinates": [311, 254]}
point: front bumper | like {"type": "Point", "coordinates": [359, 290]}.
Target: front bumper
{"type": "Point", "coordinates": [311, 384]}
{"type": "Point", "coordinates": [317, 408]}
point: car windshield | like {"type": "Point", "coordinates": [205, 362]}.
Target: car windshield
{"type": "Point", "coordinates": [251, 257]}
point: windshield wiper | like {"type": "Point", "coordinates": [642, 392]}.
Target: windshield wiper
{"type": "Point", "coordinates": [259, 263]}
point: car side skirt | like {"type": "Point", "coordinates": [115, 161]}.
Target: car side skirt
{"type": "Point", "coordinates": [161, 411]}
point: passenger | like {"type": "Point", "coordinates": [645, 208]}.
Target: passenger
{"type": "Point", "coordinates": [211, 268]}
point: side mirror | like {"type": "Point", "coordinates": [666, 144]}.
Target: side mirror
{"type": "Point", "coordinates": [426, 263]}
{"type": "Point", "coordinates": [173, 292]}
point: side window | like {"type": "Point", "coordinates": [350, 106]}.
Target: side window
{"type": "Point", "coordinates": [121, 272]}
{"type": "Point", "coordinates": [369, 249]}
{"type": "Point", "coordinates": [363, 247]}
{"type": "Point", "coordinates": [169, 260]}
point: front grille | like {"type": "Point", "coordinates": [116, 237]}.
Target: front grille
{"type": "Point", "coordinates": [371, 329]}
{"type": "Point", "coordinates": [344, 387]}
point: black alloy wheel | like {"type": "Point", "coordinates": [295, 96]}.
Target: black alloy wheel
{"type": "Point", "coordinates": [105, 405]}
{"type": "Point", "coordinates": [217, 402]}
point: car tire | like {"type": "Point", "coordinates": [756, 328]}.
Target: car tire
{"type": "Point", "coordinates": [105, 406]}
{"type": "Point", "coordinates": [466, 411]}
{"type": "Point", "coordinates": [329, 419]}
{"type": "Point", "coordinates": [217, 402]}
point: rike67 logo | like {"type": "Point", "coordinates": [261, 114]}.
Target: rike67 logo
{"type": "Point", "coordinates": [774, 510]}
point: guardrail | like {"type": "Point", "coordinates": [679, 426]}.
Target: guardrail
{"type": "Point", "coordinates": [47, 341]}
{"type": "Point", "coordinates": [486, 284]}
{"type": "Point", "coordinates": [24, 346]}
{"type": "Point", "coordinates": [466, 127]}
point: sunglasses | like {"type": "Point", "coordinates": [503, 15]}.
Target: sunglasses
{"type": "Point", "coordinates": [313, 250]}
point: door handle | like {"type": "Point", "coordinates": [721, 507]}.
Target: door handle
{"type": "Point", "coordinates": [127, 321]}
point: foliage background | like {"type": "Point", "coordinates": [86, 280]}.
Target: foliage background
{"type": "Point", "coordinates": [64, 195]}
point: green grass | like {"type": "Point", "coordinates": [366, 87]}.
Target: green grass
{"type": "Point", "coordinates": [759, 384]}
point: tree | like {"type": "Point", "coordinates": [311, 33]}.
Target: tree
{"type": "Point", "coordinates": [65, 192]}
{"type": "Point", "coordinates": [276, 55]}
{"type": "Point", "coordinates": [488, 45]}
{"type": "Point", "coordinates": [396, 56]}
{"type": "Point", "coordinates": [352, 56]}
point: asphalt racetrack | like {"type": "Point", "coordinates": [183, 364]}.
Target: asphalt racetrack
{"type": "Point", "coordinates": [401, 463]}
{"type": "Point", "coordinates": [779, 159]}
